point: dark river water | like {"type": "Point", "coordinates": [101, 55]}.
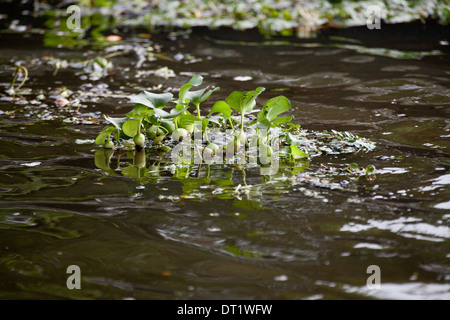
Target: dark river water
{"type": "Point", "coordinates": [223, 232]}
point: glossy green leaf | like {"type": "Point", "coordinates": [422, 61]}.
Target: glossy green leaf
{"type": "Point", "coordinates": [273, 108]}
{"type": "Point", "coordinates": [296, 153]}
{"type": "Point", "coordinates": [249, 100]}
{"type": "Point", "coordinates": [281, 120]}
{"type": "Point", "coordinates": [208, 94]}
{"type": "Point", "coordinates": [104, 134]}
{"type": "Point", "coordinates": [234, 100]}
{"type": "Point", "coordinates": [117, 122]}
{"type": "Point", "coordinates": [196, 80]}
{"type": "Point", "coordinates": [221, 107]}
{"type": "Point", "coordinates": [131, 127]}
{"type": "Point", "coordinates": [194, 96]}
{"type": "Point", "coordinates": [276, 106]}
{"type": "Point", "coordinates": [152, 100]}
{"type": "Point", "coordinates": [205, 123]}
{"type": "Point", "coordinates": [139, 111]}
{"type": "Point", "coordinates": [186, 120]}
{"type": "Point", "coordinates": [167, 115]}
{"type": "Point", "coordinates": [198, 96]}
{"type": "Point", "coordinates": [244, 102]}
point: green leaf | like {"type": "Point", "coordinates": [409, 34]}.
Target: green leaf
{"type": "Point", "coordinates": [273, 108]}
{"type": "Point", "coordinates": [215, 119]}
{"type": "Point", "coordinates": [280, 120]}
{"type": "Point", "coordinates": [263, 125]}
{"type": "Point", "coordinates": [139, 111]}
{"type": "Point", "coordinates": [196, 80]}
{"type": "Point", "coordinates": [276, 106]}
{"type": "Point", "coordinates": [205, 123]}
{"type": "Point", "coordinates": [370, 169]}
{"type": "Point", "coordinates": [131, 127]}
{"type": "Point", "coordinates": [291, 127]}
{"type": "Point", "coordinates": [244, 102]}
{"type": "Point", "coordinates": [234, 100]}
{"type": "Point", "coordinates": [208, 94]}
{"type": "Point", "coordinates": [296, 153]}
{"type": "Point", "coordinates": [194, 96]}
{"type": "Point", "coordinates": [104, 134]}
{"type": "Point", "coordinates": [291, 139]}
{"type": "Point", "coordinates": [353, 166]}
{"type": "Point", "coordinates": [249, 101]}
{"type": "Point", "coordinates": [152, 100]}
{"type": "Point", "coordinates": [198, 96]}
{"type": "Point", "coordinates": [186, 120]}
{"type": "Point", "coordinates": [173, 113]}
{"type": "Point", "coordinates": [221, 107]}
{"type": "Point", "coordinates": [117, 122]}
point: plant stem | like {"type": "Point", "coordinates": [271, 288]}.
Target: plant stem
{"type": "Point", "coordinates": [231, 124]}
{"type": "Point", "coordinates": [14, 79]}
{"type": "Point", "coordinates": [25, 76]}
{"type": "Point", "coordinates": [198, 109]}
{"type": "Point", "coordinates": [140, 124]}
{"type": "Point", "coordinates": [164, 129]}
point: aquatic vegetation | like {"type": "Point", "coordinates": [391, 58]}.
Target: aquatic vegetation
{"type": "Point", "coordinates": [230, 182]}
{"type": "Point", "coordinates": [286, 18]}
{"type": "Point", "coordinates": [92, 69]}
{"type": "Point", "coordinates": [11, 90]}
{"type": "Point", "coordinates": [221, 137]}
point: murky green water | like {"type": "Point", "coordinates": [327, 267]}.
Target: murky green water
{"type": "Point", "coordinates": [194, 233]}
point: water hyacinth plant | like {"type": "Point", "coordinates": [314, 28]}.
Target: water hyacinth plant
{"type": "Point", "coordinates": [164, 124]}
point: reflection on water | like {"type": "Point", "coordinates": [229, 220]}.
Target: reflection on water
{"type": "Point", "coordinates": [148, 229]}
{"type": "Point", "coordinates": [405, 291]}
{"type": "Point", "coordinates": [407, 227]}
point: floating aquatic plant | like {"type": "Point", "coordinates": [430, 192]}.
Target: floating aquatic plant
{"type": "Point", "coordinates": [167, 127]}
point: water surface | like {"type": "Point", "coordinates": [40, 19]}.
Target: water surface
{"type": "Point", "coordinates": [194, 234]}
